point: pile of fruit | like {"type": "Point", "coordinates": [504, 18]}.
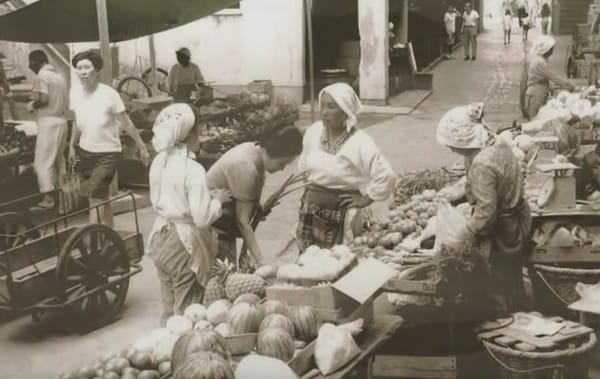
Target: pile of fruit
{"type": "Point", "coordinates": [13, 140]}
{"type": "Point", "coordinates": [318, 265]}
{"type": "Point", "coordinates": [282, 332]}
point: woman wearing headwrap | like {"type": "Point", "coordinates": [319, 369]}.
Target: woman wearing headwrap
{"type": "Point", "coordinates": [539, 75]}
{"type": "Point", "coordinates": [345, 171]}
{"type": "Point", "coordinates": [242, 171]}
{"type": "Point", "coordinates": [181, 238]}
{"type": "Point", "coordinates": [495, 190]}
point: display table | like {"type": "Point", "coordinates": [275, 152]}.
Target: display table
{"type": "Point", "coordinates": [380, 330]}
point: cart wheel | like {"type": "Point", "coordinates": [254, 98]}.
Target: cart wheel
{"type": "Point", "coordinates": [13, 226]}
{"type": "Point", "coordinates": [162, 77]}
{"type": "Point", "coordinates": [131, 88]}
{"type": "Point", "coordinates": [94, 256]}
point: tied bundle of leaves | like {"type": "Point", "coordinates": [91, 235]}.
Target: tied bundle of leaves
{"type": "Point", "coordinates": [414, 183]}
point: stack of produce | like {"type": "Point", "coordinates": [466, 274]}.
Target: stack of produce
{"type": "Point", "coordinates": [13, 141]}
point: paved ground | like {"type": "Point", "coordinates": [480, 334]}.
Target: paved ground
{"type": "Point", "coordinates": [34, 352]}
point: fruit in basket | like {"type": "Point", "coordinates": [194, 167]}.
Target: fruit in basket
{"type": "Point", "coordinates": [249, 298]}
{"type": "Point", "coordinates": [223, 329]}
{"type": "Point", "coordinates": [111, 375]}
{"type": "Point", "coordinates": [244, 318]}
{"type": "Point", "coordinates": [195, 312]}
{"type": "Point", "coordinates": [149, 374]}
{"type": "Point", "coordinates": [275, 343]}
{"type": "Point", "coordinates": [179, 325]}
{"type": "Point", "coordinates": [198, 341]}
{"type": "Point", "coordinates": [117, 364]}
{"type": "Point", "coordinates": [164, 350]}
{"type": "Point", "coordinates": [240, 283]}
{"type": "Point", "coordinates": [217, 311]}
{"type": "Point", "coordinates": [278, 321]}
{"type": "Point", "coordinates": [204, 365]}
{"type": "Point", "coordinates": [306, 322]}
{"type": "Point", "coordinates": [270, 307]}
{"type": "Point", "coordinates": [203, 324]}
{"type": "Point", "coordinates": [141, 360]}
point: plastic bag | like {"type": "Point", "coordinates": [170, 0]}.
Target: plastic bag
{"type": "Point", "coordinates": [451, 226]}
{"type": "Point", "coordinates": [334, 348]}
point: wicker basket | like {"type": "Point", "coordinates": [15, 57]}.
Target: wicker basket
{"type": "Point", "coordinates": [566, 363]}
{"type": "Point", "coordinates": [555, 287]}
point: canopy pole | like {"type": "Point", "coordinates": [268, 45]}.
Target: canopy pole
{"type": "Point", "coordinates": [311, 63]}
{"type": "Point", "coordinates": [153, 78]}
{"type": "Point", "coordinates": [104, 36]}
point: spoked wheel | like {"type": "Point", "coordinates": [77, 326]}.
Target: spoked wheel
{"type": "Point", "coordinates": [94, 256]}
{"type": "Point", "coordinates": [15, 230]}
{"type": "Point", "coordinates": [162, 78]}
{"type": "Point", "coordinates": [131, 88]}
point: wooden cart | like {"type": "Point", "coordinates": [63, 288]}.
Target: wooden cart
{"type": "Point", "coordinates": [80, 269]}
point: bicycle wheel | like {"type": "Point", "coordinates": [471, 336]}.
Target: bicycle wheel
{"type": "Point", "coordinates": [131, 88]}
{"type": "Point", "coordinates": [162, 77]}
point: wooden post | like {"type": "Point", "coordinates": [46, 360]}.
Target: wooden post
{"type": "Point", "coordinates": [311, 63]}
{"type": "Point", "coordinates": [404, 23]}
{"type": "Point", "coordinates": [153, 78]}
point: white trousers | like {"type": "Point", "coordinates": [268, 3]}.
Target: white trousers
{"type": "Point", "coordinates": [49, 160]}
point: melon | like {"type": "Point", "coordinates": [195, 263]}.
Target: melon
{"type": "Point", "coordinates": [144, 344]}
{"type": "Point", "coordinates": [275, 343]}
{"type": "Point", "coordinates": [249, 298]}
{"type": "Point", "coordinates": [275, 307]}
{"type": "Point", "coordinates": [266, 271]}
{"type": "Point", "coordinates": [195, 312]}
{"type": "Point", "coordinates": [306, 322]}
{"type": "Point", "coordinates": [179, 325]}
{"type": "Point", "coordinates": [198, 341]}
{"type": "Point", "coordinates": [204, 365]}
{"type": "Point", "coordinates": [163, 351]}
{"type": "Point", "coordinates": [217, 311]}
{"type": "Point", "coordinates": [203, 324]}
{"type": "Point", "coordinates": [244, 318]}
{"type": "Point", "coordinates": [278, 321]}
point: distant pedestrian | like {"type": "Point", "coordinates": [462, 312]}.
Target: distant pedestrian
{"type": "Point", "coordinates": [546, 14]}
{"type": "Point", "coordinates": [450, 24]}
{"type": "Point", "coordinates": [521, 11]}
{"type": "Point", "coordinates": [470, 26]}
{"type": "Point", "coordinates": [507, 23]}
{"type": "Point", "coordinates": [526, 23]}
{"type": "Point", "coordinates": [533, 9]}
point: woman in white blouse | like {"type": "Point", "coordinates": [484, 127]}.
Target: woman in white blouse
{"type": "Point", "coordinates": [182, 244]}
{"type": "Point", "coordinates": [345, 170]}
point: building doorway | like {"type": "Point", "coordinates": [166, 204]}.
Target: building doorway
{"type": "Point", "coordinates": [336, 44]}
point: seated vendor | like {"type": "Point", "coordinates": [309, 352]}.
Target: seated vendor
{"type": "Point", "coordinates": [588, 178]}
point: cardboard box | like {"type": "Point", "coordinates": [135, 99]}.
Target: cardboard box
{"type": "Point", "coordinates": [350, 49]}
{"type": "Point", "coordinates": [348, 293]}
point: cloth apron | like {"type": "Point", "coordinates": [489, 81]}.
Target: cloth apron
{"type": "Point", "coordinates": [49, 159]}
{"type": "Point", "coordinates": [323, 222]}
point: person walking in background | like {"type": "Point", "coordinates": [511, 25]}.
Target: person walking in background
{"type": "Point", "coordinates": [521, 11]}
{"type": "Point", "coordinates": [184, 76]}
{"type": "Point", "coordinates": [507, 23]}
{"type": "Point", "coordinates": [50, 101]}
{"type": "Point", "coordinates": [534, 10]}
{"type": "Point", "coordinates": [546, 14]}
{"type": "Point", "coordinates": [470, 25]}
{"type": "Point", "coordinates": [450, 24]}
{"type": "Point", "coordinates": [526, 23]}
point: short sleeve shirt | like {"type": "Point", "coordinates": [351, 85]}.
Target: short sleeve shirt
{"type": "Point", "coordinates": [96, 118]}
{"type": "Point", "coordinates": [189, 75]}
{"type": "Point", "coordinates": [241, 171]}
{"type": "Point", "coordinates": [471, 19]}
{"type": "Point", "coordinates": [450, 22]}
{"type": "Point", "coordinates": [50, 83]}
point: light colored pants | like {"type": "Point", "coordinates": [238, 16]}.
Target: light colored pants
{"type": "Point", "coordinates": [49, 160]}
{"type": "Point", "coordinates": [470, 41]}
{"type": "Point", "coordinates": [545, 25]}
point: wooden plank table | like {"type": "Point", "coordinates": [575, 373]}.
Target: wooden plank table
{"type": "Point", "coordinates": [382, 329]}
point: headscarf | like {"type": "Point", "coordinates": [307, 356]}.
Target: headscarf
{"type": "Point", "coordinates": [172, 126]}
{"type": "Point", "coordinates": [542, 45]}
{"type": "Point", "coordinates": [346, 99]}
{"type": "Point", "coordinates": [462, 127]}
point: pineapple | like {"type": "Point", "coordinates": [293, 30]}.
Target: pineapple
{"type": "Point", "coordinates": [239, 283]}
{"type": "Point", "coordinates": [215, 288]}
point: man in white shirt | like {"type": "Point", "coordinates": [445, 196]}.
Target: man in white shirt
{"type": "Point", "coordinates": [470, 27]}
{"type": "Point", "coordinates": [450, 24]}
{"type": "Point", "coordinates": [49, 102]}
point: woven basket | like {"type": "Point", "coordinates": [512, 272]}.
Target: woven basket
{"type": "Point", "coordinates": [566, 363]}
{"type": "Point", "coordinates": [555, 287]}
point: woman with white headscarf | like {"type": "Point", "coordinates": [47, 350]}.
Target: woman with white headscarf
{"type": "Point", "coordinates": [539, 75]}
{"type": "Point", "coordinates": [181, 241]}
{"type": "Point", "coordinates": [346, 172]}
{"type": "Point", "coordinates": [495, 190]}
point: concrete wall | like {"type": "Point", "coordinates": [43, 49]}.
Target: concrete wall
{"type": "Point", "coordinates": [263, 39]}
